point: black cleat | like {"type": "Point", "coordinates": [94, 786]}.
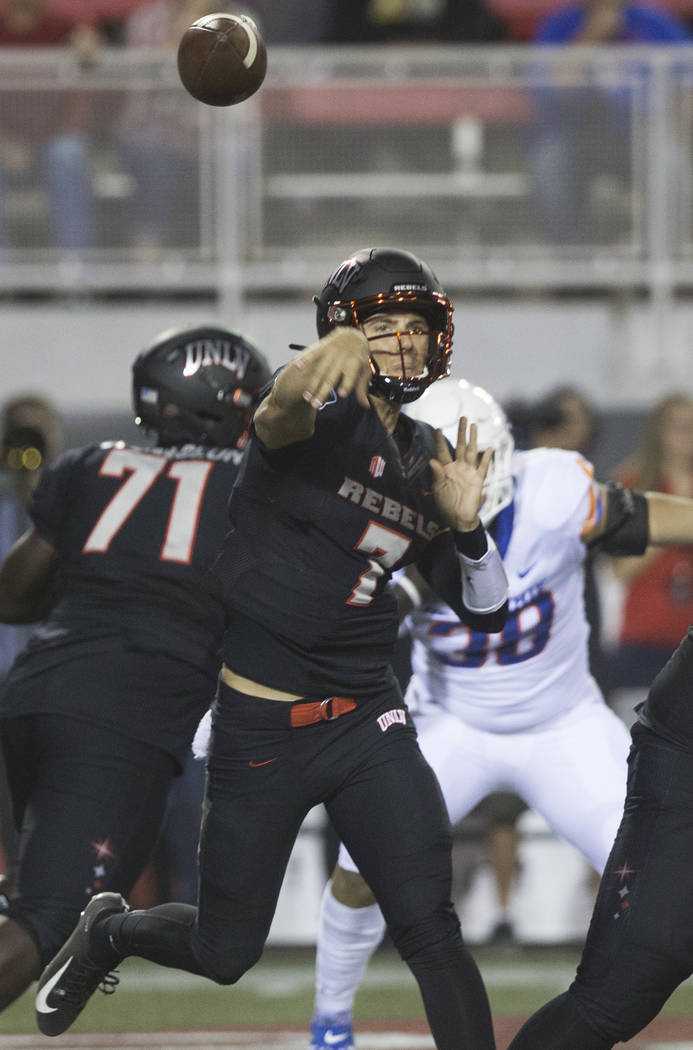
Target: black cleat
{"type": "Point", "coordinates": [71, 977]}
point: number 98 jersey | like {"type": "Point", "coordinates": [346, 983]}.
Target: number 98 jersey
{"type": "Point", "coordinates": [537, 667]}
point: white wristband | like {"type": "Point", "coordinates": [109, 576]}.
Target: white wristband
{"type": "Point", "coordinates": [484, 582]}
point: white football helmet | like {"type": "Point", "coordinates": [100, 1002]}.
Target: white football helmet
{"type": "Point", "coordinates": [442, 404]}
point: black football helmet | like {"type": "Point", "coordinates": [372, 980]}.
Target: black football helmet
{"type": "Point", "coordinates": [198, 384]}
{"type": "Point", "coordinates": [374, 279]}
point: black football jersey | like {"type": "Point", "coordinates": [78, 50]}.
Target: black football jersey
{"type": "Point", "coordinates": [668, 709]}
{"type": "Point", "coordinates": [318, 527]}
{"type": "Point", "coordinates": [136, 531]}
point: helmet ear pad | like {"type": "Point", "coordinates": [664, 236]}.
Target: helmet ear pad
{"type": "Point", "coordinates": [198, 384]}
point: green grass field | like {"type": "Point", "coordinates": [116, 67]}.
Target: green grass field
{"type": "Point", "coordinates": [279, 990]}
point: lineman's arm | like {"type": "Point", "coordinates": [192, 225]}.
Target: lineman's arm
{"type": "Point", "coordinates": [633, 521]}
{"type": "Point", "coordinates": [26, 579]}
{"type": "Point", "coordinates": [339, 361]}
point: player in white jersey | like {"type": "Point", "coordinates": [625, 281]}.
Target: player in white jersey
{"type": "Point", "coordinates": [518, 710]}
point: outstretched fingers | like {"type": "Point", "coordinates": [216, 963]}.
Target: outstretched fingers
{"type": "Point", "coordinates": [458, 483]}
{"type": "Point", "coordinates": [485, 462]}
{"type": "Point", "coordinates": [442, 449]}
{"type": "Point", "coordinates": [466, 447]}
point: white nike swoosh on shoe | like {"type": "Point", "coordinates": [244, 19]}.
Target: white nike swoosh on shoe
{"type": "Point", "coordinates": [332, 1039]}
{"type": "Point", "coordinates": [42, 995]}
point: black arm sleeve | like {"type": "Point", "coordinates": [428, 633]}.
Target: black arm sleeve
{"type": "Point", "coordinates": [440, 567]}
{"type": "Point", "coordinates": [627, 531]}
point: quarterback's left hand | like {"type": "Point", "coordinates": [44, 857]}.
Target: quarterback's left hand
{"type": "Point", "coordinates": [458, 482]}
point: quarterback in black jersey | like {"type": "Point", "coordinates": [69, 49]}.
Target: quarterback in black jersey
{"type": "Point", "coordinates": [336, 491]}
{"type": "Point", "coordinates": [99, 711]}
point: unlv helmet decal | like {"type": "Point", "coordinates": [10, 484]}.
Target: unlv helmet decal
{"type": "Point", "coordinates": [345, 274]}
{"type": "Point", "coordinates": [198, 385]}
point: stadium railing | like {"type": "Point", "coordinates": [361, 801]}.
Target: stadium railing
{"type": "Point", "coordinates": [448, 150]}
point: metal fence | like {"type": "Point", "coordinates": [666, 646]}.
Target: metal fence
{"type": "Point", "coordinates": [505, 167]}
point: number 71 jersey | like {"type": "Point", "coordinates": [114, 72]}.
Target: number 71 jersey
{"type": "Point", "coordinates": [136, 531]}
{"type": "Point", "coordinates": [537, 667]}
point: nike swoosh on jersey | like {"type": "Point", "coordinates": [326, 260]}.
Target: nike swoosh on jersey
{"type": "Point", "coordinates": [525, 571]}
{"type": "Point", "coordinates": [42, 996]}
{"type": "Point", "coordinates": [255, 765]}
{"type": "Point", "coordinates": [333, 1039]}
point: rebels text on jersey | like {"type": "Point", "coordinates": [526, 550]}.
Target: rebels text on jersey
{"type": "Point", "coordinates": [317, 528]}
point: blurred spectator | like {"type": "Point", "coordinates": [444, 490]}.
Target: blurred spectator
{"type": "Point", "coordinates": [44, 134]}
{"type": "Point", "coordinates": [658, 587]}
{"type": "Point", "coordinates": [298, 22]}
{"type": "Point", "coordinates": [499, 813]}
{"type": "Point", "coordinates": [581, 131]}
{"type": "Point", "coordinates": [159, 137]}
{"type": "Point", "coordinates": [412, 21]}
{"type": "Point", "coordinates": [562, 418]}
{"type": "Point", "coordinates": [31, 434]}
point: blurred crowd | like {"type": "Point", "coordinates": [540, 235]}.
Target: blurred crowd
{"type": "Point", "coordinates": [114, 22]}
{"type": "Point", "coordinates": [54, 146]}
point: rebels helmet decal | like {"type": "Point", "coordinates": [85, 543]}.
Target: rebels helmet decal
{"type": "Point", "coordinates": [198, 384]}
{"type": "Point", "coordinates": [375, 279]}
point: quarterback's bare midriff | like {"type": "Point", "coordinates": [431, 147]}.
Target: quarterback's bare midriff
{"type": "Point", "coordinates": [251, 688]}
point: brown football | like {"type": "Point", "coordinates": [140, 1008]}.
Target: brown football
{"type": "Point", "coordinates": [222, 59]}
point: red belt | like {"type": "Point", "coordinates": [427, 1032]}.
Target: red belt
{"type": "Point", "coordinates": [321, 710]}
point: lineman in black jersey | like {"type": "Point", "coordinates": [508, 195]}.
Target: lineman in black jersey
{"type": "Point", "coordinates": [99, 711]}
{"type": "Point", "coordinates": [337, 490]}
{"type": "Point", "coordinates": [639, 947]}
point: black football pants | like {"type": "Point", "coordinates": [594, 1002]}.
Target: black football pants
{"type": "Point", "coordinates": [384, 801]}
{"type": "Point", "coordinates": [640, 943]}
{"type": "Point", "coordinates": [94, 801]}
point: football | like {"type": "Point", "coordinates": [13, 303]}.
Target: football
{"type": "Point", "coordinates": [222, 59]}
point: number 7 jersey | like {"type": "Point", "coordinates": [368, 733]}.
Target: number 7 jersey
{"type": "Point", "coordinates": [537, 667]}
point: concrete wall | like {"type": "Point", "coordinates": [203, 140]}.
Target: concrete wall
{"type": "Point", "coordinates": [621, 352]}
{"type": "Point", "coordinates": [82, 349]}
